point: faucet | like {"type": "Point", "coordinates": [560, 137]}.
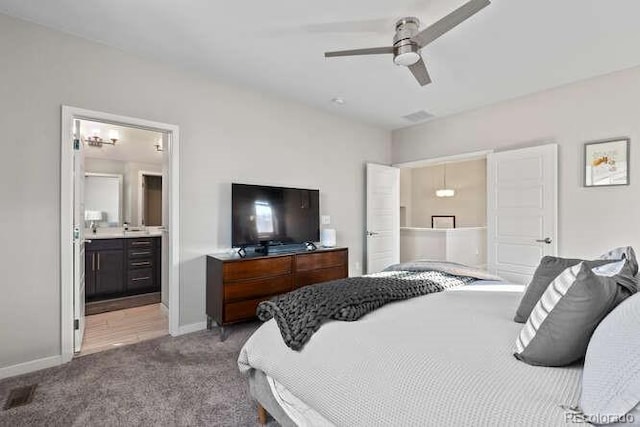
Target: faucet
{"type": "Point", "coordinates": [94, 227]}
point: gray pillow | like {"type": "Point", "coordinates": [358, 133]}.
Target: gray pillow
{"type": "Point", "coordinates": [550, 267]}
{"type": "Point", "coordinates": [611, 374]}
{"type": "Point", "coordinates": [561, 324]}
{"type": "Point", "coordinates": [629, 279]}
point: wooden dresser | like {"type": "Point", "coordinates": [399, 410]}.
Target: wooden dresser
{"type": "Point", "coordinates": [235, 286]}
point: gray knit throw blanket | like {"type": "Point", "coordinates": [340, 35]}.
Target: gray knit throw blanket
{"type": "Point", "coordinates": [300, 313]}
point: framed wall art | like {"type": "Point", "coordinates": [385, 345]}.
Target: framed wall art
{"type": "Point", "coordinates": [606, 163]}
{"type": "Point", "coordinates": [443, 221]}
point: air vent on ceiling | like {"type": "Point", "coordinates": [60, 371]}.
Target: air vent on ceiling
{"type": "Point", "coordinates": [418, 116]}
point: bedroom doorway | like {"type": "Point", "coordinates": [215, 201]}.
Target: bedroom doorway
{"type": "Point", "coordinates": [522, 207]}
{"type": "Point", "coordinates": [105, 250]}
{"type": "Point", "coordinates": [443, 211]}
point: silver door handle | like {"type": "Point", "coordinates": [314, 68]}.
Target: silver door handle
{"type": "Point", "coordinates": [546, 240]}
{"type": "Point", "coordinates": [372, 233]}
{"type": "Point", "coordinates": [88, 241]}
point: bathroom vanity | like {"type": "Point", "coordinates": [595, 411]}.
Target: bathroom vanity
{"type": "Point", "coordinates": [123, 264]}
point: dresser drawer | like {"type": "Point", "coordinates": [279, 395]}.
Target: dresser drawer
{"type": "Point", "coordinates": [251, 289]}
{"type": "Point", "coordinates": [242, 310]}
{"type": "Point", "coordinates": [140, 279]}
{"type": "Point", "coordinates": [259, 268]}
{"type": "Point", "coordinates": [309, 277]}
{"type": "Point", "coordinates": [318, 260]}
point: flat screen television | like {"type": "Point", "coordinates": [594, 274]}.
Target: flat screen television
{"type": "Point", "coordinates": [264, 215]}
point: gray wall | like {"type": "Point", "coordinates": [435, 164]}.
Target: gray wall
{"type": "Point", "coordinates": [591, 220]}
{"type": "Point", "coordinates": [228, 134]}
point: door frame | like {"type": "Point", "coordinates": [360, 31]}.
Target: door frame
{"type": "Point", "coordinates": [432, 161]}
{"type": "Point", "coordinates": [172, 148]}
{"type": "Point", "coordinates": [141, 175]}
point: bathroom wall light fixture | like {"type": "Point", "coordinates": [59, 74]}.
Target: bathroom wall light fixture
{"type": "Point", "coordinates": [96, 141]}
{"type": "Point", "coordinates": [159, 145]}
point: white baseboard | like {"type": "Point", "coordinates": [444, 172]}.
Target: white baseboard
{"type": "Point", "coordinates": [193, 327]}
{"type": "Point", "coordinates": [164, 308]}
{"type": "Point", "coordinates": [34, 365]}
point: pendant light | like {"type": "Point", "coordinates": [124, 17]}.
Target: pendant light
{"type": "Point", "coordinates": [444, 191]}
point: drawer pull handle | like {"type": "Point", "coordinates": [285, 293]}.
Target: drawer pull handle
{"type": "Point", "coordinates": [140, 243]}
{"type": "Point", "coordinates": [140, 253]}
{"type": "Point", "coordinates": [140, 278]}
{"type": "Point", "coordinates": [137, 264]}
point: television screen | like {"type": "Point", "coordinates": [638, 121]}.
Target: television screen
{"type": "Point", "coordinates": [274, 215]}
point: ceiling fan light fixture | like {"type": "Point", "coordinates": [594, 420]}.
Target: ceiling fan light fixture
{"type": "Point", "coordinates": [406, 59]}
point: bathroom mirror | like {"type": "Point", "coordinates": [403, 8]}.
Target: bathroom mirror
{"type": "Point", "coordinates": [103, 196]}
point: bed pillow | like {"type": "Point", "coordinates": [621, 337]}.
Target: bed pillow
{"type": "Point", "coordinates": [561, 324]}
{"type": "Point", "coordinates": [611, 374]}
{"type": "Point", "coordinates": [550, 267]}
{"type": "Point", "coordinates": [629, 280]}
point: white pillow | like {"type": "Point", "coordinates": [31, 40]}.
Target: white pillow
{"type": "Point", "coordinates": [611, 375]}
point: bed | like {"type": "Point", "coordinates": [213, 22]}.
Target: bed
{"type": "Point", "coordinates": [439, 359]}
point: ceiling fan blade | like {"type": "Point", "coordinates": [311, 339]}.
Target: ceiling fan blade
{"type": "Point", "coordinates": [419, 70]}
{"type": "Point", "coordinates": [370, 51]}
{"type": "Point", "coordinates": [450, 21]}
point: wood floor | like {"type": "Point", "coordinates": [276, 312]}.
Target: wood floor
{"type": "Point", "coordinates": [117, 328]}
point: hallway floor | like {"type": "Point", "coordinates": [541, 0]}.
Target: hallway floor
{"type": "Point", "coordinates": [122, 327]}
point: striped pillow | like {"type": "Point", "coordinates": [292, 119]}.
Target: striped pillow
{"type": "Point", "coordinates": [559, 328]}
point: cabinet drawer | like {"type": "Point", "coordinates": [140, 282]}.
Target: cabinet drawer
{"type": "Point", "coordinates": [242, 310]}
{"type": "Point", "coordinates": [318, 260]}
{"type": "Point", "coordinates": [142, 243]}
{"type": "Point", "coordinates": [258, 288]}
{"type": "Point", "coordinates": [255, 269]}
{"type": "Point", "coordinates": [140, 252]}
{"type": "Point", "coordinates": [102, 244]}
{"type": "Point", "coordinates": [136, 263]}
{"type": "Point", "coordinates": [139, 279]}
{"type": "Point", "coordinates": [310, 277]}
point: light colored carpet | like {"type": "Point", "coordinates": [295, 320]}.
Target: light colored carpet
{"type": "Point", "coordinates": [188, 380]}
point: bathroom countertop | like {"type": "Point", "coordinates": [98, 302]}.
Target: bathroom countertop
{"type": "Point", "coordinates": [121, 234]}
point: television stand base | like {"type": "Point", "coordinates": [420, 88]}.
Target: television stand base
{"type": "Point", "coordinates": [284, 248]}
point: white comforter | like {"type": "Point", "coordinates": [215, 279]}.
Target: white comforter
{"type": "Point", "coordinates": [442, 359]}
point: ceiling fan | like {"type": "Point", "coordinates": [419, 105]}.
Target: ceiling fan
{"type": "Point", "coordinates": [409, 40]}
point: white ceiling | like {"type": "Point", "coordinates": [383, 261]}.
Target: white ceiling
{"type": "Point", "coordinates": [511, 48]}
{"type": "Point", "coordinates": [133, 145]}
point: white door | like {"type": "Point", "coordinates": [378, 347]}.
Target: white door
{"type": "Point", "coordinates": [78, 241]}
{"type": "Point", "coordinates": [166, 206]}
{"type": "Point", "coordinates": [383, 217]}
{"type": "Point", "coordinates": [522, 210]}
